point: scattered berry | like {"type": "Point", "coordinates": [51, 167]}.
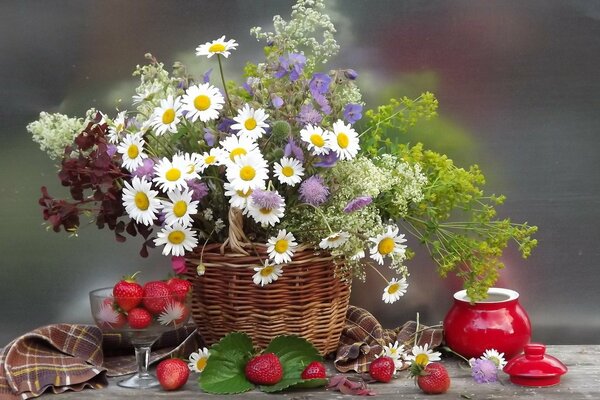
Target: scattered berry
{"type": "Point", "coordinates": [433, 379]}
{"type": "Point", "coordinates": [179, 288]}
{"type": "Point", "coordinates": [264, 369]}
{"type": "Point", "coordinates": [128, 293]}
{"type": "Point", "coordinates": [156, 296]}
{"type": "Point", "coordinates": [382, 369]}
{"type": "Point", "coordinates": [172, 373]}
{"type": "Point", "coordinates": [314, 370]}
{"type": "Point", "coordinates": [139, 318]}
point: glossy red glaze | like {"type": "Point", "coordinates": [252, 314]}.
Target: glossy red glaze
{"type": "Point", "coordinates": [535, 368]}
{"type": "Point", "coordinates": [499, 322]}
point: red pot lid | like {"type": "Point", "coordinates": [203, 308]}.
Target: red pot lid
{"type": "Point", "coordinates": [535, 368]}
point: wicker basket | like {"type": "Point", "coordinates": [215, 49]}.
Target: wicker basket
{"type": "Point", "coordinates": [309, 300]}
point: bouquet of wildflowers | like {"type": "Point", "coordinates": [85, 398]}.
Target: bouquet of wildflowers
{"type": "Point", "coordinates": [290, 152]}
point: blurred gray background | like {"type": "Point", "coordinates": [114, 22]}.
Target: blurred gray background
{"type": "Point", "coordinates": [518, 84]}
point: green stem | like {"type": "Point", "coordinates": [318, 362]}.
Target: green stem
{"type": "Point", "coordinates": [224, 84]}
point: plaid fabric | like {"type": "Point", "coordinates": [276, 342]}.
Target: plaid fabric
{"type": "Point", "coordinates": [74, 357]}
{"type": "Point", "coordinates": [363, 338]}
{"type": "Point", "coordinates": [61, 357]}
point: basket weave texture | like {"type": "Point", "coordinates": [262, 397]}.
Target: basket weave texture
{"type": "Point", "coordinates": [309, 300]}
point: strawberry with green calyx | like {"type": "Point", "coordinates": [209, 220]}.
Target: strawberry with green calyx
{"type": "Point", "coordinates": [179, 288]}
{"type": "Point", "coordinates": [432, 378]}
{"type": "Point", "coordinates": [139, 318]}
{"type": "Point", "coordinates": [264, 369]}
{"type": "Point", "coordinates": [382, 369]}
{"type": "Point", "coordinates": [128, 293]}
{"type": "Point", "coordinates": [172, 373]}
{"type": "Point", "coordinates": [156, 296]}
{"type": "Point", "coordinates": [314, 370]}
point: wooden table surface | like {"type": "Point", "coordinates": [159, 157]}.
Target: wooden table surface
{"type": "Point", "coordinates": [582, 381]}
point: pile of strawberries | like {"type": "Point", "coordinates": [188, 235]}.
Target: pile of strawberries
{"type": "Point", "coordinates": [139, 305]}
{"type": "Point", "coordinates": [266, 369]}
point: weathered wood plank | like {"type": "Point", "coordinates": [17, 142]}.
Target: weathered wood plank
{"type": "Point", "coordinates": [581, 382]}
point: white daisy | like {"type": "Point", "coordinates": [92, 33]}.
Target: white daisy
{"type": "Point", "coordinates": [180, 209]}
{"type": "Point", "coordinates": [166, 117]}
{"type": "Point", "coordinates": [289, 171]}
{"type": "Point", "coordinates": [266, 274]}
{"type": "Point", "coordinates": [396, 352]}
{"type": "Point", "coordinates": [316, 139]}
{"type": "Point", "coordinates": [198, 360]}
{"type": "Point", "coordinates": [132, 150]}
{"type": "Point", "coordinates": [176, 239]}
{"type": "Point", "coordinates": [140, 201]}
{"type": "Point", "coordinates": [394, 290]}
{"type": "Point", "coordinates": [422, 356]}
{"type": "Point", "coordinates": [235, 146]}
{"type": "Point", "coordinates": [202, 102]}
{"type": "Point", "coordinates": [496, 357]}
{"type": "Point", "coordinates": [219, 46]}
{"type": "Point", "coordinates": [115, 130]}
{"type": "Point", "coordinates": [358, 255]}
{"type": "Point", "coordinates": [334, 240]}
{"type": "Point", "coordinates": [264, 215]}
{"type": "Point", "coordinates": [215, 156]}
{"type": "Point", "coordinates": [174, 313]}
{"type": "Point", "coordinates": [238, 198]}
{"type": "Point", "coordinates": [343, 140]}
{"type": "Point", "coordinates": [193, 161]}
{"type": "Point", "coordinates": [250, 123]}
{"type": "Point", "coordinates": [171, 175]}
{"type": "Point", "coordinates": [281, 247]}
{"type": "Point", "coordinates": [247, 172]}
{"type": "Point", "coordinates": [387, 244]}
{"type": "Point", "coordinates": [106, 315]}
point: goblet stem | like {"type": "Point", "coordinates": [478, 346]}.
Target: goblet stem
{"type": "Point", "coordinates": [142, 356]}
{"type": "Point", "coordinates": [142, 379]}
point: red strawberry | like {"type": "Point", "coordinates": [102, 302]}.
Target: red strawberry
{"type": "Point", "coordinates": [128, 293]}
{"type": "Point", "coordinates": [382, 369]}
{"type": "Point", "coordinates": [139, 318]}
{"type": "Point", "coordinates": [156, 296]}
{"type": "Point", "coordinates": [179, 288]}
{"type": "Point", "coordinates": [172, 373]}
{"type": "Point", "coordinates": [433, 379]}
{"type": "Point", "coordinates": [314, 370]}
{"type": "Point", "coordinates": [264, 369]}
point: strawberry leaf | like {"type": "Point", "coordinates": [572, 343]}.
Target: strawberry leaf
{"type": "Point", "coordinates": [224, 372]}
{"type": "Point", "coordinates": [295, 354]}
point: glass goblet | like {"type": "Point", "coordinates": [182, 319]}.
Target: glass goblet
{"type": "Point", "coordinates": [142, 327]}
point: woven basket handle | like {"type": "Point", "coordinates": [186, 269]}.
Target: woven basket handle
{"type": "Point", "coordinates": [237, 239]}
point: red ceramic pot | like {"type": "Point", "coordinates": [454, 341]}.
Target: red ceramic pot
{"type": "Point", "coordinates": [498, 322]}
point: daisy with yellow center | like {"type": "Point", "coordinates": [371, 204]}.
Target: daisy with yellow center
{"type": "Point", "coordinates": [171, 175]}
{"type": "Point", "coordinates": [316, 139]}
{"type": "Point", "coordinates": [215, 156]}
{"type": "Point", "coordinates": [193, 161]}
{"type": "Point", "coordinates": [266, 216]}
{"type": "Point", "coordinates": [202, 102]}
{"type": "Point", "coordinates": [250, 123]}
{"type": "Point", "coordinates": [281, 247]}
{"type": "Point", "coordinates": [394, 290]}
{"type": "Point", "coordinates": [235, 146]}
{"type": "Point", "coordinates": [180, 209]}
{"type": "Point", "coordinates": [198, 360]}
{"type": "Point", "coordinates": [289, 171]}
{"type": "Point", "coordinates": [343, 140]}
{"type": "Point", "coordinates": [132, 151]}
{"type": "Point", "coordinates": [117, 127]}
{"type": "Point", "coordinates": [219, 46]}
{"type": "Point", "coordinates": [422, 355]}
{"type": "Point", "coordinates": [166, 117]}
{"type": "Point", "coordinates": [248, 172]}
{"type": "Point", "coordinates": [140, 201]}
{"type": "Point", "coordinates": [334, 240]}
{"type": "Point", "coordinates": [496, 357]}
{"type": "Point", "coordinates": [176, 239]}
{"type": "Point", "coordinates": [388, 244]}
{"type": "Point", "coordinates": [238, 198]}
{"type": "Point", "coordinates": [395, 352]}
{"type": "Point", "coordinates": [266, 274]}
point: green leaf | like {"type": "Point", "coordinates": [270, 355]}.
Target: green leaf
{"type": "Point", "coordinates": [295, 354]}
{"type": "Point", "coordinates": [224, 372]}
